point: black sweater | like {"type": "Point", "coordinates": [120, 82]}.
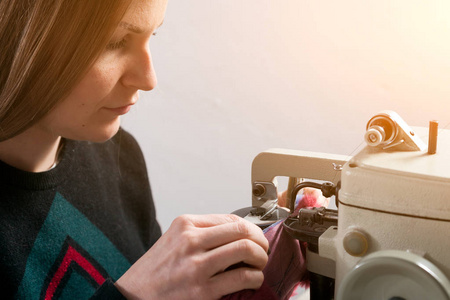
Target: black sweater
{"type": "Point", "coordinates": [70, 232]}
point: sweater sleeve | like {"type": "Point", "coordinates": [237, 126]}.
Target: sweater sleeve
{"type": "Point", "coordinates": [107, 291]}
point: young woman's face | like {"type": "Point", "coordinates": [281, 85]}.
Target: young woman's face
{"type": "Point", "coordinates": [92, 110]}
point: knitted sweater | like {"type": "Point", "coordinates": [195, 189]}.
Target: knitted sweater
{"type": "Point", "coordinates": [71, 231]}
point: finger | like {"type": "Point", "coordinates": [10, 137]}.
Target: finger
{"type": "Point", "coordinates": [236, 280]}
{"type": "Point", "coordinates": [246, 251]}
{"type": "Point", "coordinates": [213, 237]}
{"type": "Point", "coordinates": [211, 220]}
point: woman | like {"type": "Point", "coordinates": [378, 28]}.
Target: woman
{"type": "Point", "coordinates": [76, 214]}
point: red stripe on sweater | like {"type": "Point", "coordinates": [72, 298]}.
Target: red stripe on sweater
{"type": "Point", "coordinates": [70, 256]}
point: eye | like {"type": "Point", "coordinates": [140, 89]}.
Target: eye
{"type": "Point", "coordinates": [116, 45]}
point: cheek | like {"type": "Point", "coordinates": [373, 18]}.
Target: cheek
{"type": "Point", "coordinates": [93, 90]}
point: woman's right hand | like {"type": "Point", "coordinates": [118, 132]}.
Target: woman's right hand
{"type": "Point", "coordinates": [192, 260]}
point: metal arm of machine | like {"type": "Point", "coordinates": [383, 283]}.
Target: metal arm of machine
{"type": "Point", "coordinates": [290, 163]}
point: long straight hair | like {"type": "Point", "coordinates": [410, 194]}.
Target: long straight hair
{"type": "Point", "coordinates": [46, 47]}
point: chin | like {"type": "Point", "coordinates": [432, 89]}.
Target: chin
{"type": "Point", "coordinates": [104, 135]}
{"type": "Point", "coordinates": [96, 133]}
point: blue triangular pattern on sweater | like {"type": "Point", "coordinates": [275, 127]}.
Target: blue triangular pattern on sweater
{"type": "Point", "coordinates": [64, 220]}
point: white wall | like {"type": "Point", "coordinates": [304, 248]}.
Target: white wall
{"type": "Point", "coordinates": [239, 77]}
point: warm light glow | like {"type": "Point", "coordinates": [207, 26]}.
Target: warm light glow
{"type": "Point", "coordinates": [393, 52]}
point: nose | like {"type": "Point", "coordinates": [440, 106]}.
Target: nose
{"type": "Point", "coordinates": [140, 72]}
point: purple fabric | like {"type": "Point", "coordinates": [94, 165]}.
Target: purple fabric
{"type": "Point", "coordinates": [286, 268]}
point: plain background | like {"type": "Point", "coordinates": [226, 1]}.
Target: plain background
{"type": "Point", "coordinates": [239, 77]}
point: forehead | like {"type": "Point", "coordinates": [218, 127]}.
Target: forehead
{"type": "Point", "coordinates": [145, 14]}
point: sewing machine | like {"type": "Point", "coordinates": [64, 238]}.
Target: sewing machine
{"type": "Point", "coordinates": [389, 238]}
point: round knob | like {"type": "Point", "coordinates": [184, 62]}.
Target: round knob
{"type": "Point", "coordinates": [394, 275]}
{"type": "Point", "coordinates": [356, 243]}
{"type": "Point", "coordinates": [375, 135]}
{"type": "Point", "coordinates": [259, 190]}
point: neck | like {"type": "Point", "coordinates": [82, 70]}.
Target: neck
{"type": "Point", "coordinates": [33, 150]}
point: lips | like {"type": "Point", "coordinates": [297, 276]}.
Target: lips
{"type": "Point", "coordinates": [120, 110]}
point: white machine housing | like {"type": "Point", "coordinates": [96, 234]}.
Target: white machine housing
{"type": "Point", "coordinates": [392, 239]}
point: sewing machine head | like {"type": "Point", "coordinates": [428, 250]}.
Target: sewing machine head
{"type": "Point", "coordinates": [391, 241]}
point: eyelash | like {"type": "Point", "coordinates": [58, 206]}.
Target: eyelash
{"type": "Point", "coordinates": [120, 44]}
{"type": "Point", "coordinates": [117, 45]}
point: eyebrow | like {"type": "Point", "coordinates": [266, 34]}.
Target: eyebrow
{"type": "Point", "coordinates": [134, 28]}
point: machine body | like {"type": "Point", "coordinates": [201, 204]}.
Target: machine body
{"type": "Point", "coordinates": [393, 220]}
